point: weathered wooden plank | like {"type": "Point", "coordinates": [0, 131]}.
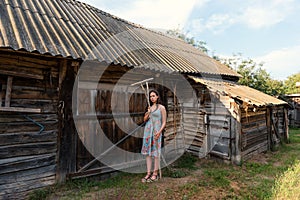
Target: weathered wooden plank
{"type": "Point", "coordinates": [27, 127]}
{"type": "Point", "coordinates": [16, 117]}
{"type": "Point", "coordinates": [26, 175]}
{"type": "Point", "coordinates": [21, 119]}
{"type": "Point", "coordinates": [15, 164]}
{"type": "Point", "coordinates": [28, 137]}
{"type": "Point", "coordinates": [20, 59]}
{"type": "Point", "coordinates": [253, 118]}
{"type": "Point", "coordinates": [19, 109]}
{"type": "Point", "coordinates": [261, 147]}
{"type": "Point", "coordinates": [45, 107]}
{"type": "Point", "coordinates": [255, 130]}
{"type": "Point", "coordinates": [29, 94]}
{"type": "Point", "coordinates": [19, 190]}
{"type": "Point", "coordinates": [27, 149]}
{"type": "Point", "coordinates": [253, 139]}
{"type": "Point", "coordinates": [251, 113]}
{"type": "Point", "coordinates": [21, 74]}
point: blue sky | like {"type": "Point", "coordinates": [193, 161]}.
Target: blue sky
{"type": "Point", "coordinates": [266, 31]}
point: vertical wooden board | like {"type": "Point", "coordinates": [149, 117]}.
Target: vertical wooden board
{"type": "Point", "coordinates": [100, 101]}
{"type": "Point", "coordinates": [8, 91]}
{"type": "Point", "coordinates": [67, 141]}
{"type": "Point", "coordinates": [84, 101]}
{"type": "Point", "coordinates": [133, 102]}
{"type": "Point", "coordinates": [108, 101]}
{"type": "Point", "coordinates": [1, 93]}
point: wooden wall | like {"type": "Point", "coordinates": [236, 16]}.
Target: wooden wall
{"type": "Point", "coordinates": [230, 129]}
{"type": "Point", "coordinates": [294, 111]}
{"type": "Point", "coordinates": [255, 135]}
{"type": "Point", "coordinates": [107, 125]}
{"type": "Point", "coordinates": [212, 135]}
{"type": "Point", "coordinates": [115, 107]}
{"type": "Point", "coordinates": [278, 125]}
{"type": "Point", "coordinates": [28, 123]}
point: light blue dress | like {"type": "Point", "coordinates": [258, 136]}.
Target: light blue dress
{"type": "Point", "coordinates": [152, 147]}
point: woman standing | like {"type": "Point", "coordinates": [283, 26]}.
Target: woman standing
{"type": "Point", "coordinates": [156, 122]}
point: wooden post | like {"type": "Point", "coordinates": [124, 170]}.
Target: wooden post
{"type": "Point", "coordinates": [269, 128]}
{"type": "Point", "coordinates": [286, 124]}
{"type": "Point", "coordinates": [236, 133]}
{"type": "Point", "coordinates": [8, 91]}
{"type": "Point", "coordinates": [67, 136]}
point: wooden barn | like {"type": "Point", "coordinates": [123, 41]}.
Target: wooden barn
{"type": "Point", "coordinates": [68, 110]}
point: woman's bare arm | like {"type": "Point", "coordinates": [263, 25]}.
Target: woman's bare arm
{"type": "Point", "coordinates": [163, 119]}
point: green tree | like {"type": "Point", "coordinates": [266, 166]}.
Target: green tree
{"type": "Point", "coordinates": [253, 75]}
{"type": "Point", "coordinates": [201, 45]}
{"type": "Point", "coordinates": [275, 87]}
{"type": "Point", "coordinates": [290, 84]}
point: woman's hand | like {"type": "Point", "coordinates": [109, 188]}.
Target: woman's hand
{"type": "Point", "coordinates": [156, 135]}
{"type": "Point", "coordinates": [147, 115]}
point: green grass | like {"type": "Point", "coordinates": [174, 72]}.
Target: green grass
{"type": "Point", "coordinates": [189, 178]}
{"type": "Point", "coordinates": [182, 167]}
{"type": "Point", "coordinates": [287, 184]}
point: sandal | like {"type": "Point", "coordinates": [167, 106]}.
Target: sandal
{"type": "Point", "coordinates": [146, 178]}
{"type": "Point", "coordinates": [153, 178]}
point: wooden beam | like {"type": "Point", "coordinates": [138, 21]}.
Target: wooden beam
{"type": "Point", "coordinates": [21, 74]}
{"type": "Point", "coordinates": [19, 109]}
{"type": "Point", "coordinates": [8, 91]}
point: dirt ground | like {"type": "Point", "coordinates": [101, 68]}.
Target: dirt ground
{"type": "Point", "coordinates": [167, 188]}
{"type": "Point", "coordinates": [172, 188]}
{"type": "Point", "coordinates": [242, 181]}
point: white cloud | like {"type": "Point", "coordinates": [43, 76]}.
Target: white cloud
{"type": "Point", "coordinates": [267, 13]}
{"type": "Point", "coordinates": [217, 23]}
{"type": "Point", "coordinates": [164, 14]}
{"type": "Point", "coordinates": [156, 14]}
{"type": "Point", "coordinates": [254, 14]}
{"type": "Point", "coordinates": [281, 63]}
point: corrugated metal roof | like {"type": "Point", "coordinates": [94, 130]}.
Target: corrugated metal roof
{"type": "Point", "coordinates": [70, 28]}
{"type": "Point", "coordinates": [246, 94]}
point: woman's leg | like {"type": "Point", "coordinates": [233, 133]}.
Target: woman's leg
{"type": "Point", "coordinates": [156, 164]}
{"type": "Point", "coordinates": [149, 163]}
{"type": "Point", "coordinates": [154, 176]}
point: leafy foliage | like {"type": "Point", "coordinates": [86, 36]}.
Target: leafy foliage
{"type": "Point", "coordinates": [291, 84]}
{"type": "Point", "coordinates": [254, 76]}
{"type": "Point", "coordinates": [201, 45]}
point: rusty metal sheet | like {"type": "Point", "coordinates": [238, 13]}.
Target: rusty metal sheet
{"type": "Point", "coordinates": [246, 94]}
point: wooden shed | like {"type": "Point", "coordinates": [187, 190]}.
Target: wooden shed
{"type": "Point", "coordinates": [238, 121]}
{"type": "Point", "coordinates": [65, 75]}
